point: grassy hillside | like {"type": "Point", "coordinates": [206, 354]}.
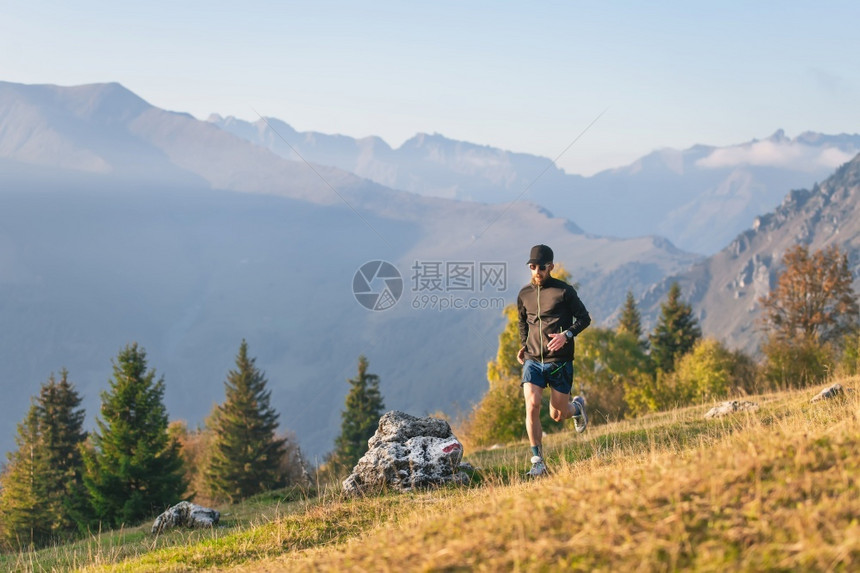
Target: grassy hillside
{"type": "Point", "coordinates": [772, 490]}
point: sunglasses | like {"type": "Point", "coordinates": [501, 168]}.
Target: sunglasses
{"type": "Point", "coordinates": [534, 267]}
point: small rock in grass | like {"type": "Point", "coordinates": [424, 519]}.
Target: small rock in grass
{"type": "Point", "coordinates": [730, 407]}
{"type": "Point", "coordinates": [830, 392]}
{"type": "Point", "coordinates": [186, 514]}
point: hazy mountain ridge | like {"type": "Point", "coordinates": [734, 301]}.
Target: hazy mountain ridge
{"type": "Point", "coordinates": [725, 288]}
{"type": "Point", "coordinates": [121, 222]}
{"type": "Point", "coordinates": [430, 165]}
{"type": "Point", "coordinates": [672, 193]}
{"type": "Point", "coordinates": [76, 128]}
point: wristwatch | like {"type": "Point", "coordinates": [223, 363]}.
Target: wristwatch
{"type": "Point", "coordinates": [568, 334]}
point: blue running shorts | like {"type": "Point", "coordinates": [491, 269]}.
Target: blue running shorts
{"type": "Point", "coordinates": [558, 375]}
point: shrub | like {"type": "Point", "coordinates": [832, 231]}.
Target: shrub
{"type": "Point", "coordinates": [606, 364]}
{"type": "Point", "coordinates": [796, 363]}
{"type": "Point", "coordinates": [705, 373]}
{"type": "Point", "coordinates": [849, 361]}
{"type": "Point", "coordinates": [499, 417]}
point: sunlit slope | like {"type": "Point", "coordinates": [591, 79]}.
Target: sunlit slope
{"type": "Point", "coordinates": [771, 490]}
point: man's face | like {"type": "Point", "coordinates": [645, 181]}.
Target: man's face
{"type": "Point", "coordinates": [540, 273]}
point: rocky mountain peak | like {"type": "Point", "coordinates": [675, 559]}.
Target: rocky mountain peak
{"type": "Point", "coordinates": [725, 288]}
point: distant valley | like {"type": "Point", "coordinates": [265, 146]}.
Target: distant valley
{"type": "Point", "coordinates": [123, 222]}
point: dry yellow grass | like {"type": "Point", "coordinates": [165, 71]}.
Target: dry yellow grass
{"type": "Point", "coordinates": [774, 490]}
{"type": "Point", "coordinates": [779, 493]}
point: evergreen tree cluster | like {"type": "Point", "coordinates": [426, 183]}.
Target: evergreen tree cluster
{"type": "Point", "coordinates": [61, 482]}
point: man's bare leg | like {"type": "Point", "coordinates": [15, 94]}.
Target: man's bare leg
{"type": "Point", "coordinates": [560, 406]}
{"type": "Point", "coordinates": [533, 394]}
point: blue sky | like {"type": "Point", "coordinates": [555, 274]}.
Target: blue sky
{"type": "Point", "coordinates": [526, 77]}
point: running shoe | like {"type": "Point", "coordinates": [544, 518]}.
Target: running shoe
{"type": "Point", "coordinates": [538, 467]}
{"type": "Point", "coordinates": [580, 418]}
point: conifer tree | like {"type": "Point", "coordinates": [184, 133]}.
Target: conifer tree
{"type": "Point", "coordinates": [133, 469]}
{"type": "Point", "coordinates": [360, 419]}
{"type": "Point", "coordinates": [43, 495]}
{"type": "Point", "coordinates": [62, 434]}
{"type": "Point", "coordinates": [245, 455]}
{"type": "Point", "coordinates": [630, 321]}
{"type": "Point", "coordinates": [24, 519]}
{"type": "Point", "coordinates": [676, 332]}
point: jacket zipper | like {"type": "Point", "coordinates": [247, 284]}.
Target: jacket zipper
{"type": "Point", "coordinates": [540, 325]}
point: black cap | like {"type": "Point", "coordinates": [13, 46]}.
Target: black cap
{"type": "Point", "coordinates": [540, 255]}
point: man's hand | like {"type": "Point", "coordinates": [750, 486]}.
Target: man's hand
{"type": "Point", "coordinates": [521, 355]}
{"type": "Point", "coordinates": [559, 339]}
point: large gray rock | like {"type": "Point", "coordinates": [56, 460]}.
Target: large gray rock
{"type": "Point", "coordinates": [730, 407]}
{"type": "Point", "coordinates": [408, 452]}
{"type": "Point", "coordinates": [186, 514]}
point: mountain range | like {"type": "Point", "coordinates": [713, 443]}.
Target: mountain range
{"type": "Point", "coordinates": [122, 222]}
{"type": "Point", "coordinates": [699, 198]}
{"type": "Point", "coordinates": [724, 289]}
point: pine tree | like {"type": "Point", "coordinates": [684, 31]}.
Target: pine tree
{"type": "Point", "coordinates": [62, 435]}
{"type": "Point", "coordinates": [630, 321]}
{"type": "Point", "coordinates": [676, 332]}
{"type": "Point", "coordinates": [360, 419]}
{"type": "Point", "coordinates": [245, 455]}
{"type": "Point", "coordinates": [24, 519]}
{"type": "Point", "coordinates": [43, 496]}
{"type": "Point", "coordinates": [133, 468]}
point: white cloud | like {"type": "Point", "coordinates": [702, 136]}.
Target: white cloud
{"type": "Point", "coordinates": [785, 154]}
